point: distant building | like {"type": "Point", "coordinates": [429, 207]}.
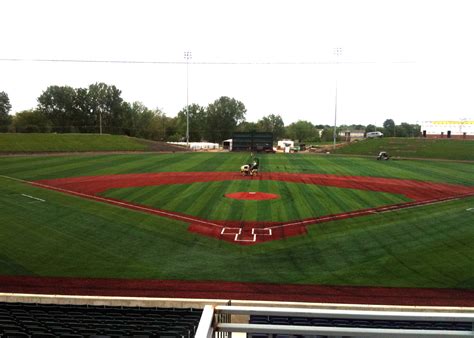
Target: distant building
{"type": "Point", "coordinates": [285, 143]}
{"type": "Point", "coordinates": [351, 135]}
{"type": "Point", "coordinates": [448, 129]}
{"type": "Point", "coordinates": [198, 145]}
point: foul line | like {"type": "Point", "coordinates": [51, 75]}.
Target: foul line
{"type": "Point", "coordinates": [114, 202]}
{"type": "Point", "coordinates": [35, 198]}
{"type": "Point", "coordinates": [378, 210]}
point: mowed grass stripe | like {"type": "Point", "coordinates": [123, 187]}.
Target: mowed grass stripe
{"type": "Point", "coordinates": [82, 165]}
{"type": "Point", "coordinates": [97, 164]}
{"type": "Point", "coordinates": [141, 163]}
{"type": "Point", "coordinates": [279, 212]}
{"type": "Point", "coordinates": [231, 208]}
{"type": "Point", "coordinates": [215, 195]}
{"type": "Point", "coordinates": [265, 212]}
{"type": "Point", "coordinates": [22, 168]}
{"type": "Point", "coordinates": [73, 166]}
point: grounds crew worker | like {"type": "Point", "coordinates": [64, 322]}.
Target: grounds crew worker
{"type": "Point", "coordinates": [254, 164]}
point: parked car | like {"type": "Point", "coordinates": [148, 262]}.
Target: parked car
{"type": "Point", "coordinates": [374, 134]}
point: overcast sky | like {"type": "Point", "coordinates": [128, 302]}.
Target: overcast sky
{"type": "Point", "coordinates": [406, 60]}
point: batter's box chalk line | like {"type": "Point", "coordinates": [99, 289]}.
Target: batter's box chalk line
{"type": "Point", "coordinates": [264, 231]}
{"type": "Point", "coordinates": [239, 236]}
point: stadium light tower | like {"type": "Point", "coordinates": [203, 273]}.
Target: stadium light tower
{"type": "Point", "coordinates": [337, 52]}
{"type": "Point", "coordinates": [187, 57]}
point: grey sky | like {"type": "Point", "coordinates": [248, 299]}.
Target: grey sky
{"type": "Point", "coordinates": [406, 60]}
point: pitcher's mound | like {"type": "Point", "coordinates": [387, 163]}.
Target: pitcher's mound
{"type": "Point", "coordinates": [254, 196]}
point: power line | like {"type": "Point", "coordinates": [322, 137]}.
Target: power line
{"type": "Point", "coordinates": [193, 62]}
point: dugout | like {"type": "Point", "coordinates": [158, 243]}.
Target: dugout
{"type": "Point", "coordinates": [252, 141]}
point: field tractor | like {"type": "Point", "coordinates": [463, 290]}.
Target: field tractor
{"type": "Point", "coordinates": [250, 169]}
{"type": "Point", "coordinates": [383, 155]}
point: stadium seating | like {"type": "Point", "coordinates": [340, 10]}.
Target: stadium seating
{"type": "Point", "coordinates": [45, 320]}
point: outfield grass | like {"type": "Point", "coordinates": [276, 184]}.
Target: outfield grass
{"type": "Point", "coordinates": [43, 167]}
{"type": "Point", "coordinates": [297, 201]}
{"type": "Point", "coordinates": [428, 246]}
{"type": "Point", "coordinates": [16, 142]}
{"type": "Point", "coordinates": [414, 148]}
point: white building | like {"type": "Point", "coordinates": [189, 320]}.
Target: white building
{"type": "Point", "coordinates": [352, 135]}
{"type": "Point", "coordinates": [198, 145]}
{"type": "Point", "coordinates": [448, 129]}
{"type": "Point", "coordinates": [286, 144]}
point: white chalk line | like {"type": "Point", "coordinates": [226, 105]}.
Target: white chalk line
{"type": "Point", "coordinates": [35, 198]}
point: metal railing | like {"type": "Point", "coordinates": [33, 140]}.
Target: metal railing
{"type": "Point", "coordinates": [211, 326]}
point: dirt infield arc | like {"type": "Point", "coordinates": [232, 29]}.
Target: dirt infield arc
{"type": "Point", "coordinates": [246, 233]}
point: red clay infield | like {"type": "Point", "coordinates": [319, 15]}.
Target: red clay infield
{"type": "Point", "coordinates": [247, 233]}
{"type": "Point", "coordinates": [252, 196]}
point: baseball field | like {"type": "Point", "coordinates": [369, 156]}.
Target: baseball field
{"type": "Point", "coordinates": [307, 228]}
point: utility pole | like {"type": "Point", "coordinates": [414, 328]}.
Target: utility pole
{"type": "Point", "coordinates": [337, 52]}
{"type": "Point", "coordinates": [187, 57]}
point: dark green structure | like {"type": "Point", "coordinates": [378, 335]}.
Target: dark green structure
{"type": "Point", "coordinates": [252, 141]}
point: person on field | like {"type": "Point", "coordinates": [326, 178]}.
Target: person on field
{"type": "Point", "coordinates": [255, 163]}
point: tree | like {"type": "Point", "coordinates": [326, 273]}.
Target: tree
{"type": "Point", "coordinates": [107, 107]}
{"type": "Point", "coordinates": [389, 128]}
{"type": "Point", "coordinates": [408, 130]}
{"type": "Point", "coordinates": [197, 122]}
{"type": "Point", "coordinates": [142, 122]}
{"type": "Point", "coordinates": [302, 131]}
{"type": "Point", "coordinates": [222, 118]}
{"type": "Point", "coordinates": [327, 134]}
{"type": "Point", "coordinates": [272, 123]}
{"type": "Point", "coordinates": [31, 121]}
{"type": "Point", "coordinates": [57, 104]}
{"type": "Point", "coordinates": [5, 107]}
{"type": "Point", "coordinates": [247, 127]}
{"type": "Point", "coordinates": [82, 117]}
{"type": "Point", "coordinates": [370, 128]}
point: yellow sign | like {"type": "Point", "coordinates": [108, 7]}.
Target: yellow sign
{"type": "Point", "coordinates": [452, 122]}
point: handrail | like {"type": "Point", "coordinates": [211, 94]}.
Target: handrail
{"type": "Point", "coordinates": [205, 328]}
{"type": "Point", "coordinates": [347, 314]}
{"type": "Point", "coordinates": [338, 331]}
{"type": "Point", "coordinates": [452, 317]}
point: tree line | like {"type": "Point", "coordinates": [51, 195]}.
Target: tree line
{"type": "Point", "coordinates": [100, 108]}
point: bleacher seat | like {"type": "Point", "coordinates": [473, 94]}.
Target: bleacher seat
{"type": "Point", "coordinates": [49, 320]}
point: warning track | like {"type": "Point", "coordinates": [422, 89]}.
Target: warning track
{"type": "Point", "coordinates": [245, 233]}
{"type": "Point", "coordinates": [237, 290]}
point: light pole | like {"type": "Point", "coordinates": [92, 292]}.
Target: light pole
{"type": "Point", "coordinates": [100, 119]}
{"type": "Point", "coordinates": [337, 52]}
{"type": "Point", "coordinates": [187, 56]}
